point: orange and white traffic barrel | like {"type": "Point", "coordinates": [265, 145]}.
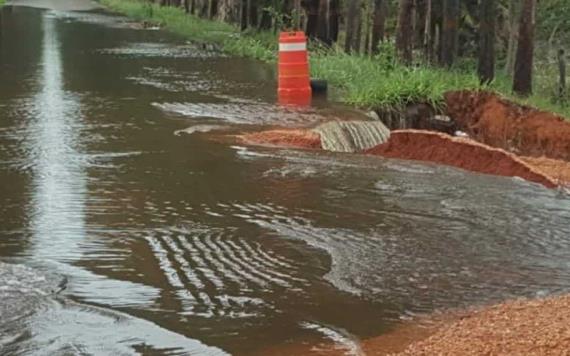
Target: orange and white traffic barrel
{"type": "Point", "coordinates": [294, 77]}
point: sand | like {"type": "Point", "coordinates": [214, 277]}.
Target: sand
{"type": "Point", "coordinates": [521, 327]}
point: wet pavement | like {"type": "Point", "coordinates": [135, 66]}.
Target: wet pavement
{"type": "Point", "coordinates": [126, 232]}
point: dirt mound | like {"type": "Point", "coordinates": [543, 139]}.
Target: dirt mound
{"type": "Point", "coordinates": [499, 123]}
{"type": "Point", "coordinates": [297, 138]}
{"type": "Point", "coordinates": [458, 152]}
{"type": "Point", "coordinates": [537, 327]}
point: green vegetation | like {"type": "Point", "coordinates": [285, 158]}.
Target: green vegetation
{"type": "Point", "coordinates": [365, 81]}
{"type": "Point", "coordinates": [2, 2]}
{"type": "Point", "coordinates": [255, 45]}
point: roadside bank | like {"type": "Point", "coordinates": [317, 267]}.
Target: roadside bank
{"type": "Point", "coordinates": [503, 139]}
{"type": "Point", "coordinates": [376, 82]}
{"type": "Point", "coordinates": [437, 148]}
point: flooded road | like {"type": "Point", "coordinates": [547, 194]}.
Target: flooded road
{"type": "Point", "coordinates": [125, 231]}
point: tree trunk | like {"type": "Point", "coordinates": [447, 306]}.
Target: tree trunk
{"type": "Point", "coordinates": [428, 41]}
{"type": "Point", "coordinates": [368, 25]}
{"type": "Point", "coordinates": [244, 15]}
{"type": "Point", "coordinates": [522, 83]}
{"type": "Point", "coordinates": [312, 9]}
{"type": "Point", "coordinates": [358, 38]}
{"type": "Point", "coordinates": [202, 8]}
{"type": "Point", "coordinates": [487, 20]}
{"type": "Point", "coordinates": [562, 72]}
{"type": "Point", "coordinates": [420, 22]}
{"type": "Point", "coordinates": [296, 15]}
{"type": "Point", "coordinates": [266, 20]}
{"type": "Point", "coordinates": [513, 29]}
{"type": "Point", "coordinates": [322, 33]}
{"type": "Point", "coordinates": [334, 19]}
{"type": "Point", "coordinates": [449, 32]}
{"type": "Point", "coordinates": [228, 11]}
{"type": "Point", "coordinates": [253, 18]}
{"type": "Point", "coordinates": [404, 36]}
{"type": "Point", "coordinates": [378, 24]}
{"type": "Point", "coordinates": [212, 9]}
{"type": "Point", "coordinates": [287, 11]}
{"type": "Point", "coordinates": [352, 17]}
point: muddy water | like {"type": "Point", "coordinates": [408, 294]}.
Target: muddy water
{"type": "Point", "coordinates": [120, 237]}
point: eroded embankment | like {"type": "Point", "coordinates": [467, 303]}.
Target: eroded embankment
{"type": "Point", "coordinates": [500, 123]}
{"type": "Point", "coordinates": [426, 146]}
{"type": "Point", "coordinates": [458, 152]}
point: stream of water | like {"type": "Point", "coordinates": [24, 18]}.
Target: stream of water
{"type": "Point", "coordinates": [119, 236]}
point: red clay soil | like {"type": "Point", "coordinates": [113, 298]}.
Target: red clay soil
{"type": "Point", "coordinates": [458, 152]}
{"type": "Point", "coordinates": [499, 123]}
{"type": "Point", "coordinates": [523, 327]}
{"type": "Point", "coordinates": [557, 169]}
{"type": "Point", "coordinates": [297, 138]}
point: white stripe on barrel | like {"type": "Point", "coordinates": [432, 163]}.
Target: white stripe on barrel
{"type": "Point", "coordinates": [292, 47]}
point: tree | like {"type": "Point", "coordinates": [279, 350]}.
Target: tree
{"type": "Point", "coordinates": [378, 24]}
{"type": "Point", "coordinates": [244, 14]}
{"type": "Point", "coordinates": [323, 34]}
{"type": "Point", "coordinates": [334, 22]}
{"type": "Point", "coordinates": [428, 40]}
{"type": "Point", "coordinates": [352, 26]}
{"type": "Point", "coordinates": [562, 74]}
{"type": "Point", "coordinates": [212, 9]}
{"type": "Point", "coordinates": [487, 21]}
{"type": "Point", "coordinates": [327, 21]}
{"type": "Point", "coordinates": [253, 18]}
{"type": "Point", "coordinates": [522, 83]}
{"type": "Point", "coordinates": [312, 9]}
{"type": "Point", "coordinates": [513, 29]}
{"type": "Point", "coordinates": [266, 17]}
{"type": "Point", "coordinates": [449, 32]}
{"type": "Point", "coordinates": [405, 33]}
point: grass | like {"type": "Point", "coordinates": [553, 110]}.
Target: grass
{"type": "Point", "coordinates": [364, 81]}
{"type": "Point", "coordinates": [2, 2]}
{"type": "Point", "coordinates": [260, 46]}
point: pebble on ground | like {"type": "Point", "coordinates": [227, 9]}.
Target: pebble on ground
{"type": "Point", "coordinates": [522, 327]}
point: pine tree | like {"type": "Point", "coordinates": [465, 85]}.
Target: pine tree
{"type": "Point", "coordinates": [405, 34]}
{"type": "Point", "coordinates": [486, 66]}
{"type": "Point", "coordinates": [522, 83]}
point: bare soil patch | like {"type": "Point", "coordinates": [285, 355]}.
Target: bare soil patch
{"type": "Point", "coordinates": [497, 122]}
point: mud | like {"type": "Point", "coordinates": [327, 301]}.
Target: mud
{"type": "Point", "coordinates": [286, 138]}
{"type": "Point", "coordinates": [522, 327]}
{"type": "Point", "coordinates": [497, 122]}
{"type": "Point", "coordinates": [458, 152]}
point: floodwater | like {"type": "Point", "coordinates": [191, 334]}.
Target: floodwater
{"type": "Point", "coordinates": [119, 236]}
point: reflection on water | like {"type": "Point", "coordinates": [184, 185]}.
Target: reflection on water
{"type": "Point", "coordinates": [143, 241]}
{"type": "Point", "coordinates": [59, 180]}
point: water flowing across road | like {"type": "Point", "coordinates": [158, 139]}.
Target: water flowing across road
{"type": "Point", "coordinates": [119, 236]}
